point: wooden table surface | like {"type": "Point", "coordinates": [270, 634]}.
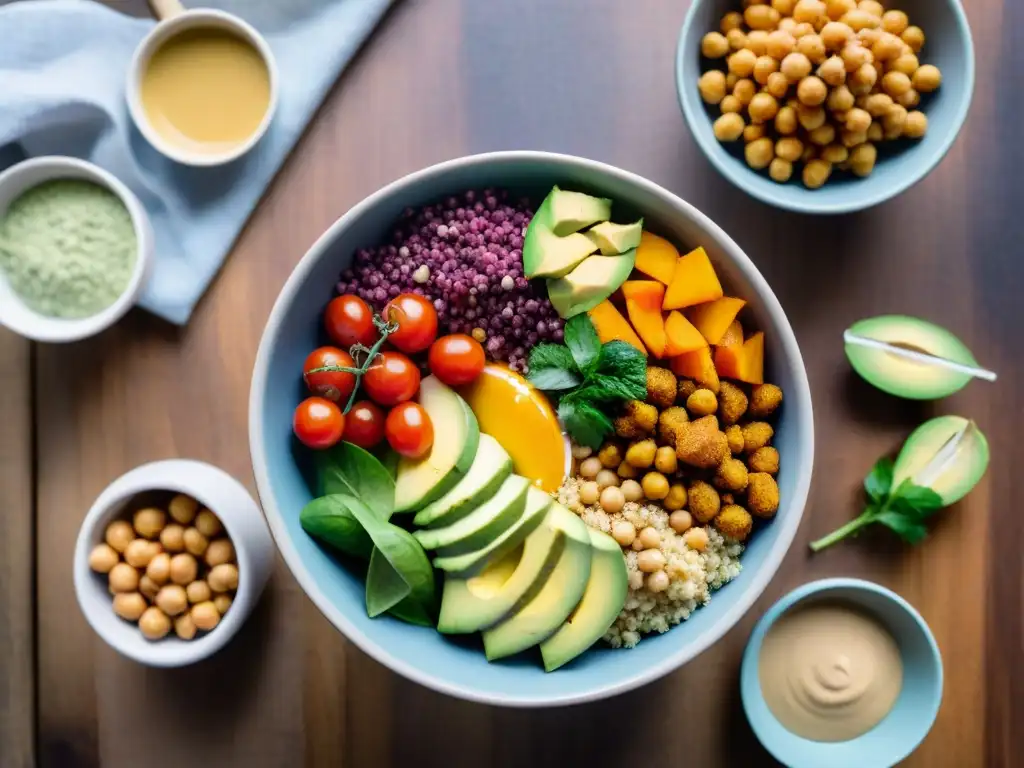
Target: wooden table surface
{"type": "Point", "coordinates": [443, 78]}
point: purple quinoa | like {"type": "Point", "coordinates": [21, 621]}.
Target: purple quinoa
{"type": "Point", "coordinates": [466, 255]}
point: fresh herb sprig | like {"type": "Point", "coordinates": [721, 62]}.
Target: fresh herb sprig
{"type": "Point", "coordinates": [903, 510]}
{"type": "Point", "coordinates": [588, 379]}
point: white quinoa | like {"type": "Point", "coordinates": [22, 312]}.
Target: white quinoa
{"type": "Point", "coordinates": [693, 575]}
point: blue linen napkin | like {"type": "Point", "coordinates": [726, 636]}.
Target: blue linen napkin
{"type": "Point", "coordinates": [63, 67]}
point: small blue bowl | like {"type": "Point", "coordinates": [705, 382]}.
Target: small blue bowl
{"type": "Point", "coordinates": [901, 164]}
{"type": "Point", "coordinates": [902, 729]}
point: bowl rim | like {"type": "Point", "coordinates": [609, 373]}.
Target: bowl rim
{"type": "Point", "coordinates": [801, 398]}
{"type": "Point", "coordinates": [689, 107]}
{"type": "Point", "coordinates": [750, 685]}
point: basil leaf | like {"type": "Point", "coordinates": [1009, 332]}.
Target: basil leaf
{"type": "Point", "coordinates": [551, 356]}
{"type": "Point", "coordinates": [553, 378]}
{"type": "Point", "coordinates": [329, 520]}
{"type": "Point", "coordinates": [623, 367]}
{"type": "Point", "coordinates": [878, 483]}
{"type": "Point", "coordinates": [348, 469]}
{"type": "Point", "coordinates": [385, 588]}
{"type": "Point", "coordinates": [587, 425]}
{"type": "Point", "coordinates": [582, 341]}
{"type": "Point", "coordinates": [924, 500]}
{"type": "Point", "coordinates": [911, 531]}
{"type": "Point", "coordinates": [411, 612]}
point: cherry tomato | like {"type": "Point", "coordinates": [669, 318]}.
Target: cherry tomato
{"type": "Point", "coordinates": [409, 430]}
{"type": "Point", "coordinates": [456, 359]}
{"type": "Point", "coordinates": [318, 423]}
{"type": "Point", "coordinates": [417, 322]}
{"type": "Point", "coordinates": [332, 385]}
{"type": "Point", "coordinates": [364, 424]}
{"type": "Point", "coordinates": [349, 320]}
{"type": "Point", "coordinates": [391, 379]}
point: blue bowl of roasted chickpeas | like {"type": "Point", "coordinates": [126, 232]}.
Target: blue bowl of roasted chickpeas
{"type": "Point", "coordinates": [825, 106]}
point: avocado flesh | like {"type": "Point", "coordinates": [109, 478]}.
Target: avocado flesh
{"type": "Point", "coordinates": [956, 473]}
{"type": "Point", "coordinates": [491, 466]}
{"type": "Point", "coordinates": [547, 611]}
{"type": "Point", "coordinates": [537, 505]}
{"type": "Point", "coordinates": [481, 526]}
{"type": "Point", "coordinates": [600, 605]}
{"type": "Point", "coordinates": [590, 283]}
{"type": "Point", "coordinates": [612, 238]}
{"type": "Point", "coordinates": [572, 211]}
{"type": "Point", "coordinates": [477, 602]}
{"type": "Point", "coordinates": [900, 376]}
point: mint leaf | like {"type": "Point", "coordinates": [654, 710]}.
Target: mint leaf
{"type": "Point", "coordinates": [878, 483]}
{"type": "Point", "coordinates": [585, 423]}
{"type": "Point", "coordinates": [910, 530]}
{"type": "Point", "coordinates": [552, 379]}
{"type": "Point", "coordinates": [622, 368]}
{"type": "Point", "coordinates": [924, 500]}
{"type": "Point", "coordinates": [582, 340]}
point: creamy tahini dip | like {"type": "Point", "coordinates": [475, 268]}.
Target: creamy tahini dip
{"type": "Point", "coordinates": [829, 672]}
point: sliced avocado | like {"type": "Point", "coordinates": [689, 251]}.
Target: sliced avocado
{"type": "Point", "coordinates": [537, 505]}
{"type": "Point", "coordinates": [612, 238]}
{"type": "Point", "coordinates": [491, 466]}
{"type": "Point", "coordinates": [914, 379]}
{"type": "Point", "coordinates": [481, 601]}
{"type": "Point", "coordinates": [573, 211]}
{"type": "Point", "coordinates": [598, 608]}
{"type": "Point", "coordinates": [948, 454]}
{"type": "Point", "coordinates": [456, 435]}
{"type": "Point", "coordinates": [547, 611]}
{"type": "Point", "coordinates": [481, 526]}
{"type": "Point", "coordinates": [590, 283]}
{"type": "Point", "coordinates": [545, 254]}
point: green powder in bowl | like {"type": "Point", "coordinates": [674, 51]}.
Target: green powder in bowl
{"type": "Point", "coordinates": [68, 248]}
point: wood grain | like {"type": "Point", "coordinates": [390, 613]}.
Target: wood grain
{"type": "Point", "coordinates": [443, 78]}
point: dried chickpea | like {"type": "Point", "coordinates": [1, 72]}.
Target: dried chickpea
{"type": "Point", "coordinates": [802, 30]}
{"type": "Point", "coordinates": [589, 467]}
{"type": "Point", "coordinates": [159, 568]}
{"type": "Point", "coordinates": [784, 7]}
{"type": "Point", "coordinates": [855, 56]}
{"type": "Point", "coordinates": [871, 6]}
{"type": "Point", "coordinates": [665, 460]}
{"type": "Point", "coordinates": [927, 78]}
{"type": "Point", "coordinates": [205, 616]}
{"type": "Point", "coordinates": [172, 599]}
{"type": "Point", "coordinates": [740, 64]}
{"type": "Point", "coordinates": [857, 120]}
{"type": "Point", "coordinates": [761, 17]}
{"type": "Point", "coordinates": [223, 578]}
{"type": "Point", "coordinates": [623, 532]}
{"type": "Point", "coordinates": [183, 509]}
{"type": "Point", "coordinates": [780, 170]}
{"type": "Point", "coordinates": [810, 152]}
{"type": "Point", "coordinates": [888, 47]}
{"type": "Point", "coordinates": [811, 118]}
{"type": "Point", "coordinates": [835, 9]}
{"type": "Point", "coordinates": [631, 490]}
{"type": "Point", "coordinates": [863, 80]}
{"type": "Point", "coordinates": [840, 99]}
{"type": "Point", "coordinates": [208, 523]}
{"type": "Point", "coordinates": [895, 83]}
{"type": "Point", "coordinates": [777, 85]}
{"type": "Point", "coordinates": [222, 603]}
{"type": "Point", "coordinates": [895, 22]}
{"type": "Point", "coordinates": [655, 486]}
{"type": "Point", "coordinates": [823, 135]}
{"type": "Point", "coordinates": [729, 105]}
{"type": "Point", "coordinates": [764, 67]}
{"type": "Point", "coordinates": [753, 132]}
{"type": "Point", "coordinates": [851, 139]}
{"type": "Point", "coordinates": [916, 125]}
{"type": "Point", "coordinates": [729, 127]}
{"type": "Point", "coordinates": [833, 71]}
{"type": "Point", "coordinates": [796, 66]}
{"type": "Point", "coordinates": [744, 90]}
{"type": "Point", "coordinates": [875, 132]}
{"type": "Point", "coordinates": [914, 37]}
{"type": "Point", "coordinates": [759, 154]}
{"type": "Point", "coordinates": [680, 521]}
{"type": "Point", "coordinates": [893, 121]}
{"type": "Point", "coordinates": [123, 578]}
{"type": "Point", "coordinates": [612, 499]}
{"type": "Point", "coordinates": [119, 535]}
{"type": "Point", "coordinates": [139, 552]}
{"type": "Point", "coordinates": [195, 542]}
{"type": "Point", "coordinates": [835, 35]}
{"type": "Point", "coordinates": [779, 44]}
{"type": "Point", "coordinates": [223, 551]}
{"type": "Point", "coordinates": [816, 173]}
{"type": "Point", "coordinates": [909, 100]}
{"type": "Point", "coordinates": [737, 39]}
{"type": "Point", "coordinates": [129, 605]}
{"type": "Point", "coordinates": [627, 471]}
{"type": "Point", "coordinates": [154, 623]}
{"type": "Point", "coordinates": [788, 149]}
{"type": "Point", "coordinates": [757, 42]}
{"type": "Point", "coordinates": [906, 63]}
{"type": "Point", "coordinates": [149, 522]}
{"type": "Point", "coordinates": [808, 11]}
{"type": "Point", "coordinates": [183, 569]}
{"type": "Point", "coordinates": [763, 108]}
{"type": "Point", "coordinates": [785, 121]}
{"type": "Point", "coordinates": [869, 36]}
{"type": "Point", "coordinates": [641, 453]}
{"type": "Point", "coordinates": [862, 159]}
{"type": "Point", "coordinates": [172, 538]}
{"type": "Point", "coordinates": [731, 20]}
{"type": "Point", "coordinates": [184, 627]}
{"type": "Point", "coordinates": [878, 104]}
{"type": "Point", "coordinates": [714, 45]}
{"type": "Point", "coordinates": [712, 86]}
{"type": "Point", "coordinates": [148, 588]}
{"type": "Point", "coordinates": [730, 81]}
{"type": "Point", "coordinates": [102, 558]}
{"type": "Point", "coordinates": [589, 493]}
{"type": "Point", "coordinates": [858, 20]}
{"type": "Point", "coordinates": [198, 592]}
{"type": "Point", "coordinates": [676, 498]}
{"type": "Point", "coordinates": [657, 582]}
{"type": "Point", "coordinates": [787, 24]}
{"type": "Point", "coordinates": [813, 48]}
{"type": "Point", "coordinates": [835, 154]}
{"type": "Point", "coordinates": [606, 478]}
{"type": "Point", "coordinates": [696, 538]}
{"type": "Point", "coordinates": [650, 560]}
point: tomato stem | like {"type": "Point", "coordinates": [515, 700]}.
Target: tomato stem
{"type": "Point", "coordinates": [386, 329]}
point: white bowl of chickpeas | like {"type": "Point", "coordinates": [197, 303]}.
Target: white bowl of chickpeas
{"type": "Point", "coordinates": [825, 106]}
{"type": "Point", "coordinates": [170, 561]}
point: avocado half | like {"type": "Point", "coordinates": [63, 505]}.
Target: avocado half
{"type": "Point", "coordinates": [932, 459]}
{"type": "Point", "coordinates": [900, 375]}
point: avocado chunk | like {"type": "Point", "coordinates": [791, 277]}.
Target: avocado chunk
{"type": "Point", "coordinates": [920, 376]}
{"type": "Point", "coordinates": [481, 526]}
{"type": "Point", "coordinates": [477, 602]}
{"type": "Point", "coordinates": [612, 238]}
{"type": "Point", "coordinates": [948, 454]}
{"type": "Point", "coordinates": [601, 603]}
{"type": "Point", "coordinates": [456, 435]}
{"type": "Point", "coordinates": [590, 283]}
{"type": "Point", "coordinates": [545, 254]}
{"type": "Point", "coordinates": [537, 505]}
{"type": "Point", "coordinates": [539, 618]}
{"type": "Point", "coordinates": [490, 467]}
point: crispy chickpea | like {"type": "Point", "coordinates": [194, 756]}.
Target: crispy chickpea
{"type": "Point", "coordinates": [656, 582]}
{"type": "Point", "coordinates": [862, 159]}
{"type": "Point", "coordinates": [788, 149]}
{"type": "Point", "coordinates": [650, 560]}
{"type": "Point", "coordinates": [712, 86]}
{"type": "Point", "coordinates": [909, 100]}
{"type": "Point", "coordinates": [906, 63]}
{"type": "Point", "coordinates": [857, 120]}
{"type": "Point", "coordinates": [123, 578]}
{"type": "Point", "coordinates": [610, 455]}
{"type": "Point", "coordinates": [833, 71]}
{"type": "Point", "coordinates": [119, 535]}
{"type": "Point", "coordinates": [744, 90]}
{"type": "Point", "coordinates": [102, 558]}
{"type": "Point", "coordinates": [858, 20]}
{"type": "Point", "coordinates": [927, 78]}
{"type": "Point", "coordinates": [835, 154]}
{"type": "Point", "coordinates": [763, 68]}
{"type": "Point", "coordinates": [875, 132]}
{"type": "Point", "coordinates": [627, 470]}
{"type": "Point", "coordinates": [777, 85]}
{"type": "Point", "coordinates": [761, 17]}
{"type": "Point", "coordinates": [129, 605]}
{"type": "Point", "coordinates": [863, 80]}
{"type": "Point", "coordinates": [757, 42]}
{"type": "Point", "coordinates": [895, 83]}
{"type": "Point", "coordinates": [580, 452]}
{"type": "Point", "coordinates": [631, 490]}
{"type": "Point", "coordinates": [205, 616]}
{"type": "Point", "coordinates": [184, 627]}
{"type": "Point", "coordinates": [655, 486]}
{"type": "Point", "coordinates": [893, 121]}
{"type": "Point", "coordinates": [696, 538]}
{"type": "Point", "coordinates": [183, 509]}
{"type": "Point", "coordinates": [198, 592]}
{"type": "Point", "coordinates": [172, 599]}
{"type": "Point", "coordinates": [714, 45]}
{"type": "Point", "coordinates": [816, 173]}
{"type": "Point", "coordinates": [208, 523]}
{"type": "Point", "coordinates": [779, 44]}
{"type": "Point", "coordinates": [916, 125]}
{"type": "Point", "coordinates": [740, 64]}
{"type": "Point", "coordinates": [808, 11]}
{"type": "Point", "coordinates": [780, 170]}
{"type": "Point", "coordinates": [680, 521]}
{"type": "Point", "coordinates": [159, 568]}
{"type": "Point", "coordinates": [195, 542]}
{"type": "Point", "coordinates": [223, 578]}
{"type": "Point", "coordinates": [796, 66]}
{"type": "Point", "coordinates": [223, 551]}
{"type": "Point", "coordinates": [154, 623]}
{"type": "Point", "coordinates": [730, 104]}
{"type": "Point", "coordinates": [172, 538]}
{"type": "Point", "coordinates": [811, 118]}
{"type": "Point", "coordinates": [222, 603]}
{"type": "Point", "coordinates": [665, 460]}
{"type": "Point", "coordinates": [623, 532]}
{"type": "Point", "coordinates": [764, 459]}
{"type": "Point", "coordinates": [851, 139]}
{"type": "Point", "coordinates": [835, 35]}
{"type": "Point", "coordinates": [813, 48]}
{"type": "Point", "coordinates": [641, 453]}
{"type": "Point", "coordinates": [914, 37]}
{"type": "Point", "coordinates": [589, 493]}
{"type": "Point", "coordinates": [149, 522]}
{"type": "Point", "coordinates": [729, 126]}
{"type": "Point", "coordinates": [589, 467]}
{"type": "Point", "coordinates": [785, 121]}
{"type": "Point", "coordinates": [737, 39]}
{"type": "Point", "coordinates": [702, 402]}
{"type": "Point", "coordinates": [731, 20]}
{"type": "Point", "coordinates": [148, 588]}
{"type": "Point", "coordinates": [183, 569]}
{"type": "Point", "coordinates": [612, 499]}
{"type": "Point", "coordinates": [676, 498]}
{"type": "Point", "coordinates": [823, 136]}
{"type": "Point", "coordinates": [753, 132]}
{"type": "Point", "coordinates": [606, 478]}
{"type": "Point", "coordinates": [759, 154]}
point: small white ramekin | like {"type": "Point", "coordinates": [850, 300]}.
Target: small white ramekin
{"type": "Point", "coordinates": [243, 521]}
{"type": "Point", "coordinates": [15, 313]}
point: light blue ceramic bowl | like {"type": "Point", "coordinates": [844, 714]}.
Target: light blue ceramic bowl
{"type": "Point", "coordinates": [901, 164]}
{"type": "Point", "coordinates": [904, 727]}
{"type": "Point", "coordinates": [281, 466]}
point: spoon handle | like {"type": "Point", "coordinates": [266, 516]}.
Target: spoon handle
{"type": "Point", "coordinates": [165, 9]}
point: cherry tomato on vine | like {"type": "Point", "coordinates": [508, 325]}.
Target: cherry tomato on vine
{"type": "Point", "coordinates": [349, 320]}
{"type": "Point", "coordinates": [318, 423]}
{"type": "Point", "coordinates": [391, 379]}
{"type": "Point", "coordinates": [456, 359]}
{"type": "Point", "coordinates": [332, 385]}
{"type": "Point", "coordinates": [364, 424]}
{"type": "Point", "coordinates": [409, 430]}
{"type": "Point", "coordinates": [416, 319]}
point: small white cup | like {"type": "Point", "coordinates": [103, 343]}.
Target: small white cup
{"type": "Point", "coordinates": [175, 19]}
{"type": "Point", "coordinates": [15, 313]}
{"type": "Point", "coordinates": [242, 519]}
